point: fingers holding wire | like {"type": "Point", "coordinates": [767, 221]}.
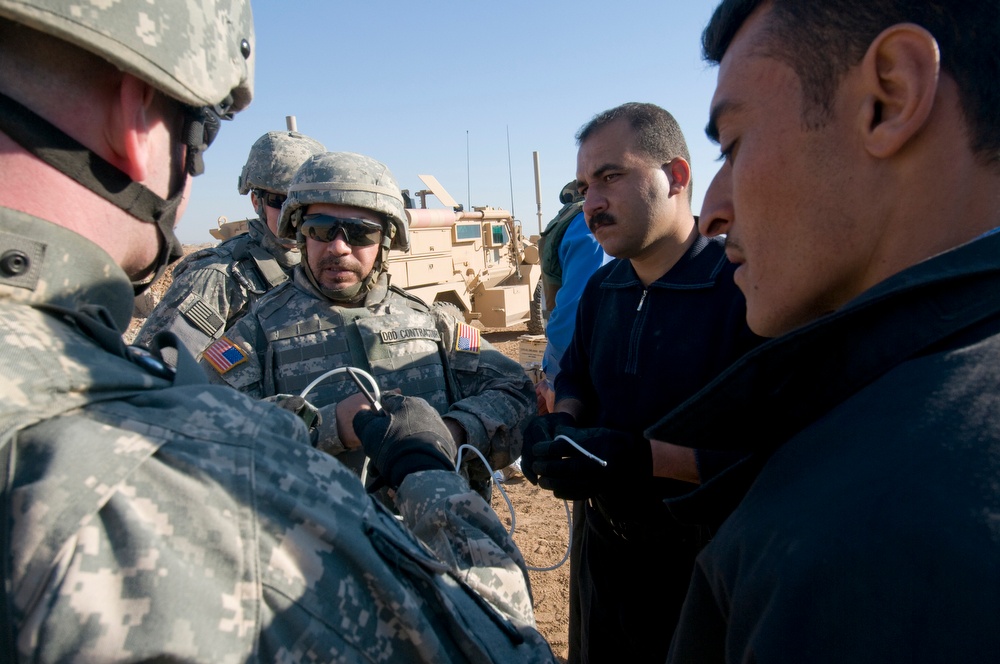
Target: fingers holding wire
{"type": "Point", "coordinates": [565, 468]}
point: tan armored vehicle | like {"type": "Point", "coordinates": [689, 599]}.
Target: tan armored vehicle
{"type": "Point", "coordinates": [228, 229]}
{"type": "Point", "coordinates": [476, 263]}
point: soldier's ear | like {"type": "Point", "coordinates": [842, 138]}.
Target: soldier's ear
{"type": "Point", "coordinates": [133, 115]}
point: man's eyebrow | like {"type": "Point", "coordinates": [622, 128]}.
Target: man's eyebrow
{"type": "Point", "coordinates": [604, 168]}
{"type": "Point", "coordinates": [712, 128]}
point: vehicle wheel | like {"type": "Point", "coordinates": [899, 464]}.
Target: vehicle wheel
{"type": "Point", "coordinates": [451, 309]}
{"type": "Point", "coordinates": [536, 321]}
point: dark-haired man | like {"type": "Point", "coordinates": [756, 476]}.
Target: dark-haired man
{"type": "Point", "coordinates": [652, 328]}
{"type": "Point", "coordinates": [858, 198]}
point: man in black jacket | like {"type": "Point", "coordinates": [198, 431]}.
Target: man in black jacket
{"type": "Point", "coordinates": [652, 328]}
{"type": "Point", "coordinates": [858, 197]}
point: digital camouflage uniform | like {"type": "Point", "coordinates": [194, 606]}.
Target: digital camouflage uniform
{"type": "Point", "coordinates": [294, 335]}
{"type": "Point", "coordinates": [213, 287]}
{"type": "Point", "coordinates": [157, 517]}
{"type": "Point", "coordinates": [149, 516]}
{"type": "Point", "coordinates": [302, 329]}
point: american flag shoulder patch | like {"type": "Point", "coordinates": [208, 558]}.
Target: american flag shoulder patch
{"type": "Point", "coordinates": [466, 338]}
{"type": "Point", "coordinates": [223, 355]}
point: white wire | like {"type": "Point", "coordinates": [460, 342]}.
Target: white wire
{"type": "Point", "coordinates": [510, 505]}
{"type": "Point", "coordinates": [583, 451]}
{"type": "Point", "coordinates": [458, 462]}
{"type": "Point", "coordinates": [376, 394]}
{"type": "Point", "coordinates": [331, 372]}
{"type": "Point", "coordinates": [569, 516]}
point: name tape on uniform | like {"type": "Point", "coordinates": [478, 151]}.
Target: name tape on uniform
{"type": "Point", "coordinates": [408, 333]}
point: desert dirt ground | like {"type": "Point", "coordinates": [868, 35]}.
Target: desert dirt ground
{"type": "Point", "coordinates": [540, 521]}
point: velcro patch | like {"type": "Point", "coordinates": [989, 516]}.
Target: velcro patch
{"type": "Point", "coordinates": [201, 316]}
{"type": "Point", "coordinates": [223, 355]}
{"type": "Point", "coordinates": [466, 338]}
{"type": "Point", "coordinates": [407, 333]}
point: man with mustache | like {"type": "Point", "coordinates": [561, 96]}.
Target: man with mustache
{"type": "Point", "coordinates": [213, 287]}
{"type": "Point", "coordinates": [345, 211]}
{"type": "Point", "coordinates": [652, 328]}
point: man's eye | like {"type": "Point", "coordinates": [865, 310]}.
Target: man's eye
{"type": "Point", "coordinates": [726, 153]}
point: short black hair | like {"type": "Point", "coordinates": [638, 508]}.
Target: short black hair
{"type": "Point", "coordinates": [821, 39]}
{"type": "Point", "coordinates": [657, 132]}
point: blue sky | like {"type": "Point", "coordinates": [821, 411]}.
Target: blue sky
{"type": "Point", "coordinates": [464, 91]}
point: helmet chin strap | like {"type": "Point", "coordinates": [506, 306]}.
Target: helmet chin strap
{"type": "Point", "coordinates": [53, 146]}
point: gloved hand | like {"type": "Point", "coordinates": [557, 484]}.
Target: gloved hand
{"type": "Point", "coordinates": [298, 405]}
{"type": "Point", "coordinates": [571, 475]}
{"type": "Point", "coordinates": [408, 437]}
{"type": "Point", "coordinates": [540, 428]}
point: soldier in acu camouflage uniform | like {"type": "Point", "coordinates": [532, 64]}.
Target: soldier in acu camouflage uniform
{"type": "Point", "coordinates": [213, 287]}
{"type": "Point", "coordinates": [340, 310]}
{"type": "Point", "coordinates": [146, 515]}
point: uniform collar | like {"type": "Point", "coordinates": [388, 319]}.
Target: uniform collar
{"type": "Point", "coordinates": [262, 235]}
{"type": "Point", "coordinates": [59, 267]}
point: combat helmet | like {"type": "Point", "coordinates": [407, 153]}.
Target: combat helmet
{"type": "Point", "coordinates": [273, 160]}
{"type": "Point", "coordinates": [346, 178]}
{"type": "Point", "coordinates": [570, 193]}
{"type": "Point", "coordinates": [197, 52]}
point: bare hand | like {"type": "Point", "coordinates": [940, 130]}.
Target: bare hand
{"type": "Point", "coordinates": [545, 396]}
{"type": "Point", "coordinates": [346, 410]}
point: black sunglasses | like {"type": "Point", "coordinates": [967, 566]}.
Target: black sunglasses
{"type": "Point", "coordinates": [270, 199]}
{"type": "Point", "coordinates": [324, 228]}
{"type": "Point", "coordinates": [201, 126]}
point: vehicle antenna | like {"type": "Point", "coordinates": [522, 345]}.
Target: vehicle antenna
{"type": "Point", "coordinates": [538, 191]}
{"type": "Point", "coordinates": [510, 175]}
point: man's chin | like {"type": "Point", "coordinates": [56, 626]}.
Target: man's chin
{"type": "Point", "coordinates": [338, 286]}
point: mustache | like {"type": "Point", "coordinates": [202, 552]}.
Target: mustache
{"type": "Point", "coordinates": [339, 263]}
{"type": "Point", "coordinates": [600, 219]}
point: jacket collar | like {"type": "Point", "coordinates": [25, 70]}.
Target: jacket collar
{"type": "Point", "coordinates": [783, 385]}
{"type": "Point", "coordinates": [699, 267]}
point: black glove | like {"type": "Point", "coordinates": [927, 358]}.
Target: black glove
{"type": "Point", "coordinates": [299, 406]}
{"type": "Point", "coordinates": [540, 428]}
{"type": "Point", "coordinates": [408, 437]}
{"type": "Point", "coordinates": [572, 475]}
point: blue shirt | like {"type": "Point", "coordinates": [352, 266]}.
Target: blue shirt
{"type": "Point", "coordinates": [579, 255]}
